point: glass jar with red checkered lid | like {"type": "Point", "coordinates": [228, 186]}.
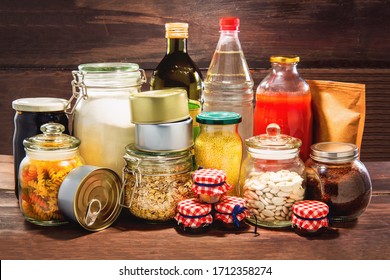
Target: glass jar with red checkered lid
{"type": "Point", "coordinates": [193, 216]}
{"type": "Point", "coordinates": [310, 217]}
{"type": "Point", "coordinates": [230, 213]}
{"type": "Point", "coordinates": [209, 184]}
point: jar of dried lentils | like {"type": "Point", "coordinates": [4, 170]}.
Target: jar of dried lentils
{"type": "Point", "coordinates": [336, 176]}
{"type": "Point", "coordinates": [155, 182]}
{"type": "Point", "coordinates": [272, 178]}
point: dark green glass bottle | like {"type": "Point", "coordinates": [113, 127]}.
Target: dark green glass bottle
{"type": "Point", "coordinates": [177, 69]}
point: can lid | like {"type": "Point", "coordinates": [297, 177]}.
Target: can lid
{"type": "Point", "coordinates": [218, 118]}
{"type": "Point", "coordinates": [52, 139]}
{"type": "Point", "coordinates": [40, 104]}
{"type": "Point", "coordinates": [273, 145]}
{"type": "Point", "coordinates": [176, 30]}
{"type": "Point", "coordinates": [336, 152]}
{"type": "Point", "coordinates": [229, 23]}
{"type": "Point", "coordinates": [96, 202]}
{"type": "Point", "coordinates": [284, 59]}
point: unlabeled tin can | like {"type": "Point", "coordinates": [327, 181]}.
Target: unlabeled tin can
{"type": "Point", "coordinates": [159, 106]}
{"type": "Point", "coordinates": [91, 196]}
{"type": "Point", "coordinates": [174, 136]}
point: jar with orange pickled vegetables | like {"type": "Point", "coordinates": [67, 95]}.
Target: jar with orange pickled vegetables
{"type": "Point", "coordinates": [284, 97]}
{"type": "Point", "coordinates": [49, 158]}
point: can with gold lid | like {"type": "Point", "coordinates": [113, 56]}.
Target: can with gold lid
{"type": "Point", "coordinates": [159, 106]}
{"type": "Point", "coordinates": [90, 196]}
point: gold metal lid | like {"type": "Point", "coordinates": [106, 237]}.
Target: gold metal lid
{"type": "Point", "coordinates": [284, 59]}
{"type": "Point", "coordinates": [176, 30]}
{"type": "Point", "coordinates": [159, 106]}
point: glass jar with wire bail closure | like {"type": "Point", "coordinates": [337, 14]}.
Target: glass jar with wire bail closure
{"type": "Point", "coordinates": [49, 158]}
{"type": "Point", "coordinates": [272, 177]}
{"type": "Point", "coordinates": [155, 182]}
{"type": "Point", "coordinates": [101, 113]}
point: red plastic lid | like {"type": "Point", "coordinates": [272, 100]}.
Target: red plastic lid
{"type": "Point", "coordinates": [229, 23]}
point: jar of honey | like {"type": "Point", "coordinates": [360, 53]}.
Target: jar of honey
{"type": "Point", "coordinates": [284, 97]}
{"type": "Point", "coordinates": [49, 158]}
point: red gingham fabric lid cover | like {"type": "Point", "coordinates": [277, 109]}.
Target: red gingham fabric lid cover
{"type": "Point", "coordinates": [210, 181]}
{"type": "Point", "coordinates": [193, 213]}
{"type": "Point", "coordinates": [310, 214]}
{"type": "Point", "coordinates": [229, 204]}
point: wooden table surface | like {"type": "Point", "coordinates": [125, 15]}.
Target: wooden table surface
{"type": "Point", "coordinates": [367, 238]}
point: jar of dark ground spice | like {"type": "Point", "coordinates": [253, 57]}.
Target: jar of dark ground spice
{"type": "Point", "coordinates": [336, 176]}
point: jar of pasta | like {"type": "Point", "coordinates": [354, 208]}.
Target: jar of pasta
{"type": "Point", "coordinates": [155, 182]}
{"type": "Point", "coordinates": [49, 158]}
{"type": "Point", "coordinates": [219, 146]}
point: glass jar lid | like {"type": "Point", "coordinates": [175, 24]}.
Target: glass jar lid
{"type": "Point", "coordinates": [273, 145]}
{"type": "Point", "coordinates": [40, 104]}
{"type": "Point", "coordinates": [336, 152]}
{"type": "Point", "coordinates": [134, 154]}
{"type": "Point", "coordinates": [109, 74]}
{"type": "Point", "coordinates": [218, 118]}
{"type": "Point", "coordinates": [52, 139]}
{"type": "Point", "coordinates": [284, 59]}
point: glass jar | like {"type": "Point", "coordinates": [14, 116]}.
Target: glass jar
{"type": "Point", "coordinates": [101, 117]}
{"type": "Point", "coordinates": [154, 183]}
{"type": "Point", "coordinates": [30, 114]}
{"type": "Point", "coordinates": [49, 158]}
{"type": "Point", "coordinates": [284, 97]}
{"type": "Point", "coordinates": [336, 176]}
{"type": "Point", "coordinates": [272, 178]}
{"type": "Point", "coordinates": [219, 145]}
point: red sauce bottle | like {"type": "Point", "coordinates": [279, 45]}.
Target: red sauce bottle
{"type": "Point", "coordinates": [284, 98]}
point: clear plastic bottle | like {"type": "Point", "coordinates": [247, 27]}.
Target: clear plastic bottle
{"type": "Point", "coordinates": [228, 85]}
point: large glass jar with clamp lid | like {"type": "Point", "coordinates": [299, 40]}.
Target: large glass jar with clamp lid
{"type": "Point", "coordinates": [101, 113]}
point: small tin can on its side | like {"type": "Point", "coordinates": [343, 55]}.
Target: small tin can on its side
{"type": "Point", "coordinates": [91, 196]}
{"type": "Point", "coordinates": [174, 136]}
{"type": "Point", "coordinates": [159, 106]}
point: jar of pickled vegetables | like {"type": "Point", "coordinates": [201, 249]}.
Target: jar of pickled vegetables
{"type": "Point", "coordinates": [219, 145]}
{"type": "Point", "coordinates": [49, 158]}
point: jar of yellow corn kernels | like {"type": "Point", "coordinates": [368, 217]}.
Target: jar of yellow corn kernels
{"type": "Point", "coordinates": [49, 158]}
{"type": "Point", "coordinates": [219, 145]}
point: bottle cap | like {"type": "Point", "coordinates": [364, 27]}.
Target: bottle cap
{"type": "Point", "coordinates": [176, 30]}
{"type": "Point", "coordinates": [229, 23]}
{"type": "Point", "coordinates": [284, 59]}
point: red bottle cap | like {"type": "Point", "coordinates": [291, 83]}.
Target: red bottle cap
{"type": "Point", "coordinates": [229, 23]}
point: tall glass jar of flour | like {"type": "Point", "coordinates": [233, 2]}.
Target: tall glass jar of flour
{"type": "Point", "coordinates": [101, 113]}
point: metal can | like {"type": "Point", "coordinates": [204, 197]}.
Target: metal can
{"type": "Point", "coordinates": [174, 136]}
{"type": "Point", "coordinates": [91, 197]}
{"type": "Point", "coordinates": [30, 114]}
{"type": "Point", "coordinates": [159, 106]}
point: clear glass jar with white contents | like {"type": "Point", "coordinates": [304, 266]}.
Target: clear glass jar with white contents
{"type": "Point", "coordinates": [101, 114]}
{"type": "Point", "coordinates": [272, 178]}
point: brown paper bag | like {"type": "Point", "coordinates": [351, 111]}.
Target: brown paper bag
{"type": "Point", "coordinates": [339, 111]}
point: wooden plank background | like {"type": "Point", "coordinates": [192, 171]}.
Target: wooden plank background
{"type": "Point", "coordinates": [41, 41]}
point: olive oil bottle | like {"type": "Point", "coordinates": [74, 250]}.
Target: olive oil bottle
{"type": "Point", "coordinates": [177, 69]}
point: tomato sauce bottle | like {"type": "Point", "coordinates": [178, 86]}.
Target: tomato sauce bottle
{"type": "Point", "coordinates": [283, 97]}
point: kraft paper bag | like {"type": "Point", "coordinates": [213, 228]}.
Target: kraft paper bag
{"type": "Point", "coordinates": [339, 111]}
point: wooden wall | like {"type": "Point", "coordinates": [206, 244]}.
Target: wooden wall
{"type": "Point", "coordinates": [41, 41]}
